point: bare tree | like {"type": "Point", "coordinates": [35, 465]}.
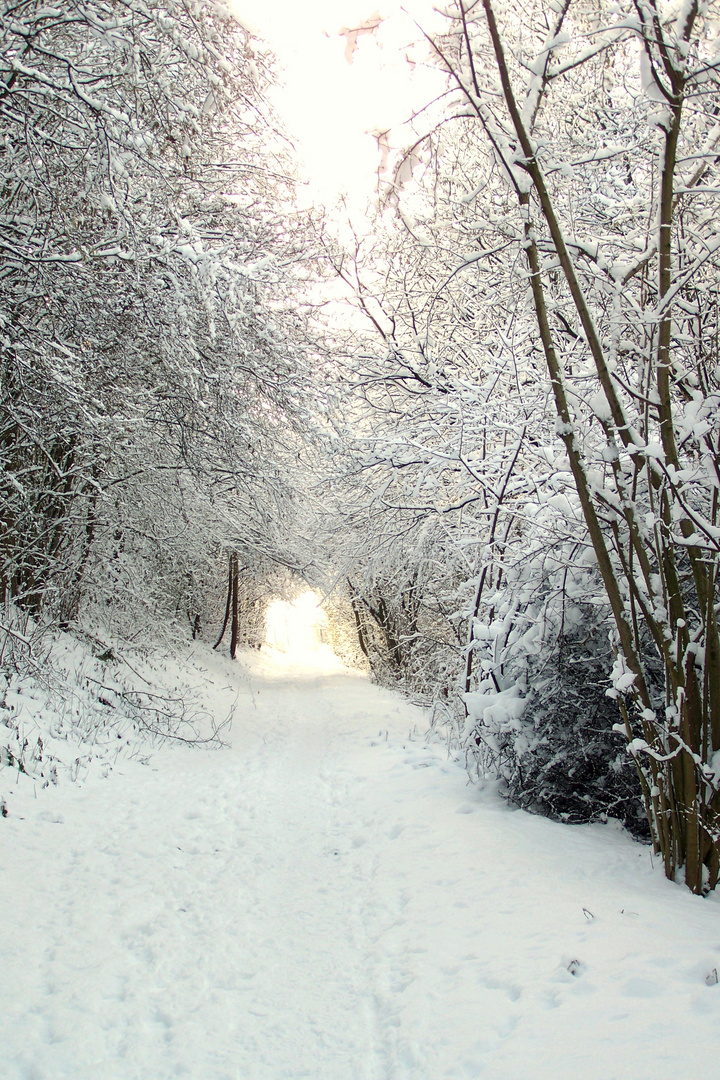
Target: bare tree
{"type": "Point", "coordinates": [603, 126]}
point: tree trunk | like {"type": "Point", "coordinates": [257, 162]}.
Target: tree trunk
{"type": "Point", "coordinates": [227, 605]}
{"type": "Point", "coordinates": [234, 576]}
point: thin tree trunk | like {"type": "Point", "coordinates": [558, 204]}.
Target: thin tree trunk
{"type": "Point", "coordinates": [227, 605]}
{"type": "Point", "coordinates": [358, 622]}
{"type": "Point", "coordinates": [235, 575]}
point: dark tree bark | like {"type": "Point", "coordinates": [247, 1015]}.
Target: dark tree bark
{"type": "Point", "coordinates": [227, 605]}
{"type": "Point", "coordinates": [234, 577]}
{"type": "Point", "coordinates": [358, 622]}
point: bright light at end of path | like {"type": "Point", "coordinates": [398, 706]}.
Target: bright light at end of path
{"type": "Point", "coordinates": [297, 626]}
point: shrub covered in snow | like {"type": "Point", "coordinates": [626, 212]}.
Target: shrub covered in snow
{"type": "Point", "coordinates": [72, 704]}
{"type": "Point", "coordinates": [555, 747]}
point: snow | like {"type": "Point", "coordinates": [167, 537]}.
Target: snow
{"type": "Point", "coordinates": [327, 897]}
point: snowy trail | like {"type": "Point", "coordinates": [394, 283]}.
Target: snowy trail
{"type": "Point", "coordinates": [327, 898]}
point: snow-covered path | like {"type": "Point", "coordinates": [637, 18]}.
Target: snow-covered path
{"type": "Point", "coordinates": [328, 898]}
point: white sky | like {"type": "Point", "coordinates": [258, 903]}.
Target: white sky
{"type": "Point", "coordinates": [332, 107]}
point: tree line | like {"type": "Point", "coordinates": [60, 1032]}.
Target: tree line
{"type": "Point", "coordinates": [153, 356]}
{"type": "Point", "coordinates": [537, 404]}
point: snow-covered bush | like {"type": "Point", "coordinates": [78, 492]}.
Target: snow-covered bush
{"type": "Point", "coordinates": [72, 704]}
{"type": "Point", "coordinates": [550, 735]}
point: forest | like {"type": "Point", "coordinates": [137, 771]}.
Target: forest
{"type": "Point", "coordinates": [486, 430]}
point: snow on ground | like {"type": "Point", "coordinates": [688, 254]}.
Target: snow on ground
{"type": "Point", "coordinates": [328, 898]}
